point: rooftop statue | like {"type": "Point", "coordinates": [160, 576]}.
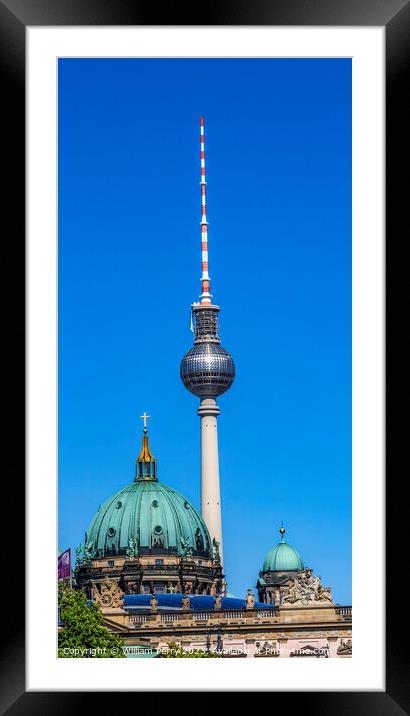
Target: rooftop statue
{"type": "Point", "coordinates": [250, 599]}
{"type": "Point", "coordinates": [132, 547]}
{"type": "Point", "coordinates": [305, 590]}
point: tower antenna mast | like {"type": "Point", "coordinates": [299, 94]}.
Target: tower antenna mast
{"type": "Point", "coordinates": [205, 280]}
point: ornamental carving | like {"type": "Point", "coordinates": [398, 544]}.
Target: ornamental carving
{"type": "Point", "coordinates": [268, 648]}
{"type": "Point", "coordinates": [132, 588]}
{"type": "Point", "coordinates": [305, 589]}
{"type": "Point", "coordinates": [345, 648]}
{"type": "Point", "coordinates": [107, 594]}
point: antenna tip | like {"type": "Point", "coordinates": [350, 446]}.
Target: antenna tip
{"type": "Point", "coordinates": [201, 121]}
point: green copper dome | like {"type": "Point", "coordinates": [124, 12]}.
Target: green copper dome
{"type": "Point", "coordinates": [282, 558]}
{"type": "Point", "coordinates": [146, 515]}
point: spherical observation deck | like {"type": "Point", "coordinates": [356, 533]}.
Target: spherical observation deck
{"type": "Point", "coordinates": [207, 370]}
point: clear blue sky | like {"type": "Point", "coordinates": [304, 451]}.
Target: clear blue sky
{"type": "Point", "coordinates": [278, 143]}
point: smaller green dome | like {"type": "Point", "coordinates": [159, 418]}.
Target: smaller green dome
{"type": "Point", "coordinates": [282, 558]}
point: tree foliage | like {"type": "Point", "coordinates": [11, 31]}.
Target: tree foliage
{"type": "Point", "coordinates": [83, 634]}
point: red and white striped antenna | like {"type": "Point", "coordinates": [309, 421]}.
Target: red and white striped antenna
{"type": "Point", "coordinates": [205, 280]}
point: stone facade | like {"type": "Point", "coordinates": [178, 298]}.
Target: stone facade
{"type": "Point", "coordinates": [156, 571]}
{"type": "Point", "coordinates": [321, 631]}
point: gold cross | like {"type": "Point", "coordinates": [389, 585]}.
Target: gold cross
{"type": "Point", "coordinates": [145, 418]}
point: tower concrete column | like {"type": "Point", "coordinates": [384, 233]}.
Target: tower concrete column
{"type": "Point", "coordinates": [208, 412]}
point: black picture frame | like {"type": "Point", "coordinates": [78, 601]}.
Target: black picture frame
{"type": "Point", "coordinates": [15, 16]}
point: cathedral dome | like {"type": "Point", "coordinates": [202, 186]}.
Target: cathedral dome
{"type": "Point", "coordinates": [147, 515]}
{"type": "Point", "coordinates": [154, 515]}
{"type": "Point", "coordinates": [282, 558]}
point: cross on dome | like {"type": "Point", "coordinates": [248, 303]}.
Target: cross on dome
{"type": "Point", "coordinates": [145, 417]}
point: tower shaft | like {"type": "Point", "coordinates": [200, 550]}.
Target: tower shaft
{"type": "Point", "coordinates": [208, 412]}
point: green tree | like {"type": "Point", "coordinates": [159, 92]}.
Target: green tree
{"type": "Point", "coordinates": [177, 652]}
{"type": "Point", "coordinates": [83, 634]}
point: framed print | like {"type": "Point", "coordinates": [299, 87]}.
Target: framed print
{"type": "Point", "coordinates": [205, 223]}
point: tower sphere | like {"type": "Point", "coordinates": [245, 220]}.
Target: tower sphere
{"type": "Point", "coordinates": [207, 370]}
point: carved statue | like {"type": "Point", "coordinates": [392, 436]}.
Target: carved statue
{"type": "Point", "coordinates": [316, 587]}
{"type": "Point", "coordinates": [215, 546]}
{"type": "Point", "coordinates": [132, 588]}
{"type": "Point", "coordinates": [154, 603]}
{"type": "Point", "coordinates": [107, 594]}
{"type": "Point", "coordinates": [87, 552]}
{"type": "Point", "coordinates": [291, 595]}
{"type": "Point", "coordinates": [186, 547]}
{"type": "Point", "coordinates": [78, 557]}
{"type": "Point", "coordinates": [250, 599]}
{"type": "Point", "coordinates": [213, 590]}
{"type": "Point", "coordinates": [345, 648]}
{"type": "Point", "coordinates": [132, 547]}
{"type": "Point", "coordinates": [218, 603]}
{"type": "Point", "coordinates": [186, 602]}
{"type": "Point", "coordinates": [325, 594]}
{"type": "Point", "coordinates": [306, 589]}
{"type": "Point", "coordinates": [307, 586]}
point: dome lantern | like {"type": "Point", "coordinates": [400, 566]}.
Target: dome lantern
{"type": "Point", "coordinates": [146, 464]}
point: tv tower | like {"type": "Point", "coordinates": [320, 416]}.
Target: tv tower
{"type": "Point", "coordinates": [207, 370]}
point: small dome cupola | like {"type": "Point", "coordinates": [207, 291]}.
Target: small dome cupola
{"type": "Point", "coordinates": [283, 557]}
{"type": "Point", "coordinates": [146, 464]}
